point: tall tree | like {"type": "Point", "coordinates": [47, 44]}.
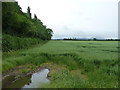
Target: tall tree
{"type": "Point", "coordinates": [28, 12]}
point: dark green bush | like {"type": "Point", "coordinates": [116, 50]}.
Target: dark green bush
{"type": "Point", "coordinates": [15, 43]}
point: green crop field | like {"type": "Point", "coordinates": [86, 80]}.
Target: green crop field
{"type": "Point", "coordinates": [76, 64]}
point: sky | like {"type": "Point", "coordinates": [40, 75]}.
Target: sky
{"type": "Point", "coordinates": [76, 18]}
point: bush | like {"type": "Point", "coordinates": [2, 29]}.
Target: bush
{"type": "Point", "coordinates": [15, 43]}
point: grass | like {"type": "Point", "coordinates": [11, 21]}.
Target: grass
{"type": "Point", "coordinates": [97, 60]}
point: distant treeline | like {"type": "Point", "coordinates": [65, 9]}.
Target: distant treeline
{"type": "Point", "coordinates": [84, 39]}
{"type": "Point", "coordinates": [20, 25]}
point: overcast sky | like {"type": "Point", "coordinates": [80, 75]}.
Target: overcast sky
{"type": "Point", "coordinates": [76, 18]}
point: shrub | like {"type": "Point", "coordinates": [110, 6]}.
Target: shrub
{"type": "Point", "coordinates": [15, 43]}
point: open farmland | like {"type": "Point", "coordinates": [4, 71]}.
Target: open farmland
{"type": "Point", "coordinates": [72, 64]}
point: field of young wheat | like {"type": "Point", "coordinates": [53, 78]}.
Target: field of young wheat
{"type": "Point", "coordinates": [75, 64]}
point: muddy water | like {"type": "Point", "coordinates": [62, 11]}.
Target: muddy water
{"type": "Point", "coordinates": [36, 80]}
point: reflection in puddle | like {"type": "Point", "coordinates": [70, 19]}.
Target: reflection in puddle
{"type": "Point", "coordinates": [36, 80]}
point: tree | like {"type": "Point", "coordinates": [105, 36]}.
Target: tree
{"type": "Point", "coordinates": [28, 12]}
{"type": "Point", "coordinates": [35, 16]}
{"type": "Point", "coordinates": [94, 39]}
{"type": "Point", "coordinates": [16, 23]}
{"type": "Point", "coordinates": [49, 34]}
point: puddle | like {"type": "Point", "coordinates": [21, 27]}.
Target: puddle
{"type": "Point", "coordinates": [36, 80]}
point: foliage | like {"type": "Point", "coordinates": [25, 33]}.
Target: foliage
{"type": "Point", "coordinates": [15, 43]}
{"type": "Point", "coordinates": [15, 22]}
{"type": "Point", "coordinates": [20, 25]}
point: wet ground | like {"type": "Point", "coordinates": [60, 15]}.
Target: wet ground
{"type": "Point", "coordinates": [35, 80]}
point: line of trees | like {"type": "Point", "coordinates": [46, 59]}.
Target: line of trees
{"type": "Point", "coordinates": [20, 30]}
{"type": "Point", "coordinates": [18, 23]}
{"type": "Point", "coordinates": [92, 39]}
